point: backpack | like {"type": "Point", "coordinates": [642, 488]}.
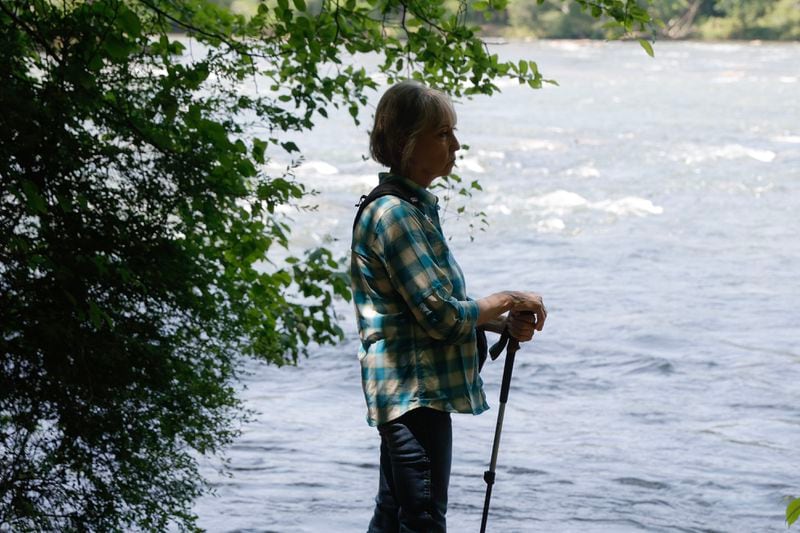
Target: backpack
{"type": "Point", "coordinates": [396, 188]}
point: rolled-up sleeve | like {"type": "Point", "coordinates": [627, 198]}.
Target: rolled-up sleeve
{"type": "Point", "coordinates": [410, 261]}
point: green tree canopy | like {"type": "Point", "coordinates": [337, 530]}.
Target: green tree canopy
{"type": "Point", "coordinates": [139, 226]}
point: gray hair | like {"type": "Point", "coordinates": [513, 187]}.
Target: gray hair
{"type": "Point", "coordinates": [405, 110]}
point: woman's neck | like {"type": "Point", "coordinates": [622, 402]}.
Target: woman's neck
{"type": "Point", "coordinates": [421, 181]}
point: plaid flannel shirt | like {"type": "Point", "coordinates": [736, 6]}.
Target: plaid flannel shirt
{"type": "Point", "coordinates": [416, 323]}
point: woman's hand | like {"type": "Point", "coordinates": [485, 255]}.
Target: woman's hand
{"type": "Point", "coordinates": [492, 307]}
{"type": "Point", "coordinates": [526, 307]}
{"type": "Point", "coordinates": [521, 325]}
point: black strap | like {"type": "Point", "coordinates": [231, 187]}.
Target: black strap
{"type": "Point", "coordinates": [387, 188]}
{"type": "Point", "coordinates": [483, 346]}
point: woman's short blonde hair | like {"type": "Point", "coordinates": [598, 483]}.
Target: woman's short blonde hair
{"type": "Point", "coordinates": [404, 111]}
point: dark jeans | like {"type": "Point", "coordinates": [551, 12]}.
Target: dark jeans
{"type": "Point", "coordinates": [416, 451]}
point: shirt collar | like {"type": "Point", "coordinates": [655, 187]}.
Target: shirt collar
{"type": "Point", "coordinates": [425, 196]}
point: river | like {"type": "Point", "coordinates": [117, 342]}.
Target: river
{"type": "Point", "coordinates": [655, 203]}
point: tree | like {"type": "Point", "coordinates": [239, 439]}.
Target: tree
{"type": "Point", "coordinates": [679, 16]}
{"type": "Point", "coordinates": [755, 19]}
{"type": "Point", "coordinates": [139, 229]}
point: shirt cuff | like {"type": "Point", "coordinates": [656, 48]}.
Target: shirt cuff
{"type": "Point", "coordinates": [471, 312]}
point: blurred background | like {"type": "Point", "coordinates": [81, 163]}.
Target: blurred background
{"type": "Point", "coordinates": [694, 19]}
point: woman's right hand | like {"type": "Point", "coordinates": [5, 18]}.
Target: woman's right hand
{"type": "Point", "coordinates": [494, 306]}
{"type": "Point", "coordinates": [532, 303]}
{"type": "Point", "coordinates": [521, 325]}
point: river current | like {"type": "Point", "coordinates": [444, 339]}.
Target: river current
{"type": "Point", "coordinates": [655, 204]}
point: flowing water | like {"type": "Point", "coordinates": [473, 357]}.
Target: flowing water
{"type": "Point", "coordinates": [655, 203]}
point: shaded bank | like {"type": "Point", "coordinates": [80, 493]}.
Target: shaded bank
{"type": "Point", "coordinates": [683, 19]}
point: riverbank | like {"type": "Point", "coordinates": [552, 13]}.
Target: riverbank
{"type": "Point", "coordinates": [704, 20]}
{"type": "Point", "coordinates": [777, 27]}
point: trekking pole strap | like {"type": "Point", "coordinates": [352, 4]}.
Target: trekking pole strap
{"type": "Point", "coordinates": [513, 346]}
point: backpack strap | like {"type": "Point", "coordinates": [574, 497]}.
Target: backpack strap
{"type": "Point", "coordinates": [387, 188]}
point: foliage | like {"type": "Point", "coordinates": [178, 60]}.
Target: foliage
{"type": "Point", "coordinates": [793, 511]}
{"type": "Point", "coordinates": [709, 19]}
{"type": "Point", "coordinates": [141, 246]}
{"type": "Point", "coordinates": [554, 19]}
{"type": "Point", "coordinates": [781, 21]}
{"type": "Point", "coordinates": [752, 19]}
{"type": "Point", "coordinates": [453, 188]}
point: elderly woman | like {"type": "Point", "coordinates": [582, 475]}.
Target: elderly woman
{"type": "Point", "coordinates": [419, 360]}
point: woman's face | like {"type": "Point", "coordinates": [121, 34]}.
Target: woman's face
{"type": "Point", "coordinates": [434, 153]}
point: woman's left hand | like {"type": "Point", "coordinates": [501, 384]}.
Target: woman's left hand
{"type": "Point", "coordinates": [521, 325]}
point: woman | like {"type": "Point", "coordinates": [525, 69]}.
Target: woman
{"type": "Point", "coordinates": [418, 354]}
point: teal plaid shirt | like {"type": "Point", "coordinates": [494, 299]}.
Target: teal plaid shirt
{"type": "Point", "coordinates": [416, 323]}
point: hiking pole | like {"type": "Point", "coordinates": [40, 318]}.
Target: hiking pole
{"type": "Point", "coordinates": [511, 351]}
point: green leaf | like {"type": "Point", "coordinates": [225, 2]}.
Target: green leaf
{"type": "Point", "coordinates": [300, 5]}
{"type": "Point", "coordinates": [216, 132]}
{"type": "Point", "coordinates": [169, 106]}
{"type": "Point", "coordinates": [196, 75]}
{"type": "Point", "coordinates": [34, 198]}
{"type": "Point", "coordinates": [65, 203]}
{"type": "Point", "coordinates": [289, 146]}
{"type": "Point", "coordinates": [116, 47]}
{"type": "Point", "coordinates": [647, 47]}
{"type": "Point", "coordinates": [793, 511]}
{"type": "Point", "coordinates": [480, 5]}
{"type": "Point", "coordinates": [246, 168]}
{"type": "Point", "coordinates": [129, 22]}
{"type": "Point", "coordinates": [96, 315]}
{"type": "Point", "coordinates": [259, 147]}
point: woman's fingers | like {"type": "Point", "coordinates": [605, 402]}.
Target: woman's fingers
{"type": "Point", "coordinates": [531, 301]}
{"type": "Point", "coordinates": [521, 327]}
